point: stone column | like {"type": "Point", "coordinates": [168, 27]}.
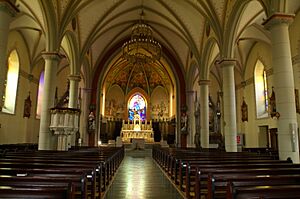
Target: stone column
{"type": "Point", "coordinates": [278, 24]}
{"type": "Point", "coordinates": [7, 12]}
{"type": "Point", "coordinates": [204, 113]}
{"type": "Point", "coordinates": [73, 92]}
{"type": "Point", "coordinates": [86, 99]}
{"type": "Point", "coordinates": [47, 140]}
{"type": "Point", "coordinates": [73, 101]}
{"type": "Point", "coordinates": [229, 104]}
{"type": "Point", "coordinates": [191, 121]}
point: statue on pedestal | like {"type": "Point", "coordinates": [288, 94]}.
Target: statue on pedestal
{"type": "Point", "coordinates": [91, 122]}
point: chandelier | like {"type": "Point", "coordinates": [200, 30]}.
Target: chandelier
{"type": "Point", "coordinates": [141, 48]}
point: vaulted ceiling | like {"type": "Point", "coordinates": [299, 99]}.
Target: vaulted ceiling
{"type": "Point", "coordinates": [183, 27]}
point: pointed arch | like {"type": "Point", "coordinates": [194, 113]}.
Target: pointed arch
{"type": "Point", "coordinates": [261, 90]}
{"type": "Point", "coordinates": [12, 80]}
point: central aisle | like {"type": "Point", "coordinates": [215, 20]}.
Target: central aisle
{"type": "Point", "coordinates": [139, 177]}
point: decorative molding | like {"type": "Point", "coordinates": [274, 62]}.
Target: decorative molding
{"type": "Point", "coordinates": [191, 92]}
{"type": "Point", "coordinates": [52, 55]}
{"type": "Point", "coordinates": [76, 78]}
{"type": "Point", "coordinates": [278, 18]}
{"type": "Point", "coordinates": [225, 62]}
{"type": "Point", "coordinates": [245, 83]}
{"type": "Point", "coordinates": [249, 81]}
{"type": "Point", "coordinates": [28, 76]}
{"type": "Point", "coordinates": [203, 82]}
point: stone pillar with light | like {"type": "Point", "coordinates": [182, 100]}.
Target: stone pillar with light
{"type": "Point", "coordinates": [229, 115]}
{"type": "Point", "coordinates": [47, 140]}
{"type": "Point", "coordinates": [73, 101]}
{"type": "Point", "coordinates": [204, 113]}
{"type": "Point", "coordinates": [278, 24]}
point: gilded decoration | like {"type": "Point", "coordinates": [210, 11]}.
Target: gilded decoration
{"type": "Point", "coordinates": [146, 77]}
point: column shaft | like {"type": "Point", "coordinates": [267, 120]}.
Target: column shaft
{"type": "Point", "coordinates": [204, 113]}
{"type": "Point", "coordinates": [74, 90]}
{"type": "Point", "coordinates": [47, 140]}
{"type": "Point", "coordinates": [191, 121]}
{"type": "Point", "coordinates": [73, 102]}
{"type": "Point", "coordinates": [278, 25]}
{"type": "Point", "coordinates": [229, 104]}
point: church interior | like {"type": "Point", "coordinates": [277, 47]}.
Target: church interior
{"type": "Point", "coordinates": [180, 82]}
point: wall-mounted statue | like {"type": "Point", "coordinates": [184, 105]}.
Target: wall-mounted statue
{"type": "Point", "coordinates": [244, 109]}
{"type": "Point", "coordinates": [197, 139]}
{"type": "Point", "coordinates": [272, 106]}
{"type": "Point", "coordinates": [27, 107]}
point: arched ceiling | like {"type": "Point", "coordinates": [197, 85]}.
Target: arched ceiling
{"type": "Point", "coordinates": [181, 26]}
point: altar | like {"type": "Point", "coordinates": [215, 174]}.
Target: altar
{"type": "Point", "coordinates": [137, 129]}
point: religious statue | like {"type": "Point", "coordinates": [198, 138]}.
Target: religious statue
{"type": "Point", "coordinates": [184, 121]}
{"type": "Point", "coordinates": [272, 107]}
{"type": "Point", "coordinates": [137, 121]}
{"type": "Point", "coordinates": [91, 121]}
{"type": "Point", "coordinates": [244, 111]}
{"type": "Point", "coordinates": [197, 139]}
{"type": "Point", "coordinates": [27, 107]}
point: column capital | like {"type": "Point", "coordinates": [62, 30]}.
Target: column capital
{"type": "Point", "coordinates": [8, 7]}
{"type": "Point", "coordinates": [204, 82]}
{"type": "Point", "coordinates": [225, 62]}
{"type": "Point", "coordinates": [52, 55]}
{"type": "Point", "coordinates": [278, 18]}
{"type": "Point", "coordinates": [76, 78]}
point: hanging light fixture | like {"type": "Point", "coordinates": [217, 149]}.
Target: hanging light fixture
{"type": "Point", "coordinates": [141, 48]}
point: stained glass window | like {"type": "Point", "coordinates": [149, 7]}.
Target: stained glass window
{"type": "Point", "coordinates": [11, 83]}
{"type": "Point", "coordinates": [137, 105]}
{"type": "Point", "coordinates": [261, 90]}
{"type": "Point", "coordinates": [40, 96]}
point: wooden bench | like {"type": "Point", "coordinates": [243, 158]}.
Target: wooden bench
{"type": "Point", "coordinates": [202, 175]}
{"type": "Point", "coordinates": [217, 183]}
{"type": "Point", "coordinates": [264, 192]}
{"type": "Point", "coordinates": [95, 166]}
{"type": "Point", "coordinates": [35, 192]}
{"type": "Point", "coordinates": [191, 169]}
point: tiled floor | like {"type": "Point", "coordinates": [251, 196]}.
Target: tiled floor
{"type": "Point", "coordinates": [140, 178]}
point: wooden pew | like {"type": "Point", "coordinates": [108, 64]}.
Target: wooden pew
{"type": "Point", "coordinates": [265, 192]}
{"type": "Point", "coordinates": [217, 183]}
{"type": "Point", "coordinates": [185, 164]}
{"type": "Point", "coordinates": [53, 164]}
{"type": "Point", "coordinates": [202, 175]}
{"type": "Point", "coordinates": [34, 192]}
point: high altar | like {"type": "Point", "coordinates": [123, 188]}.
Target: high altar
{"type": "Point", "coordinates": [137, 130]}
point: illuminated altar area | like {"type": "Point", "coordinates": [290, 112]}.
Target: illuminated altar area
{"type": "Point", "coordinates": [137, 131]}
{"type": "Point", "coordinates": [137, 126]}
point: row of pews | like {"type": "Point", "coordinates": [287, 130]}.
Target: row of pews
{"type": "Point", "coordinates": [83, 173]}
{"type": "Point", "coordinates": [231, 175]}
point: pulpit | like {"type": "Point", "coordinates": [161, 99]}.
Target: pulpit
{"type": "Point", "coordinates": [64, 122]}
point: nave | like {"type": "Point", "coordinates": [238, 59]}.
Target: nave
{"type": "Point", "coordinates": [139, 177]}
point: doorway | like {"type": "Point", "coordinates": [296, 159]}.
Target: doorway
{"type": "Point", "coordinates": [263, 136]}
{"type": "Point", "coordinates": [273, 137]}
